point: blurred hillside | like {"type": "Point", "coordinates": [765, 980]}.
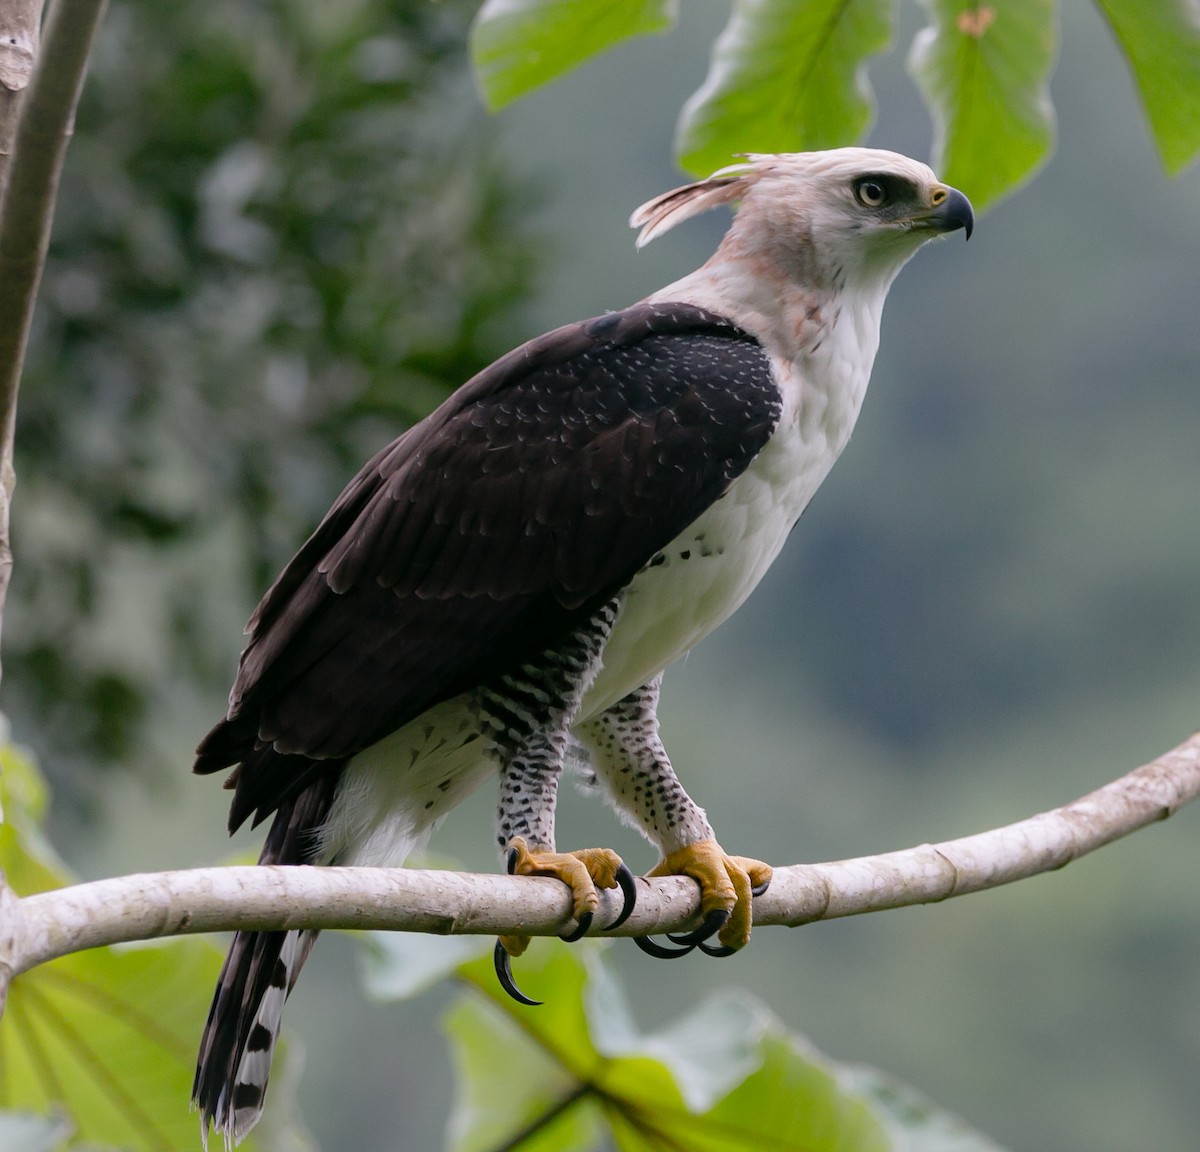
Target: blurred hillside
{"type": "Point", "coordinates": [991, 607]}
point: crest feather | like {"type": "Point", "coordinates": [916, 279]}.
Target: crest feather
{"type": "Point", "coordinates": [670, 208]}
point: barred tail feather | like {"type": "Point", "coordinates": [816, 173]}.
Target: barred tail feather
{"type": "Point", "coordinates": [259, 972]}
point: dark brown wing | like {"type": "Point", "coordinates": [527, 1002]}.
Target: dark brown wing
{"type": "Point", "coordinates": [487, 531]}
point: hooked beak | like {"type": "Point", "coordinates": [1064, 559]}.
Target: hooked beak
{"type": "Point", "coordinates": [951, 211]}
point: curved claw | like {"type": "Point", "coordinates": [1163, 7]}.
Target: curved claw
{"type": "Point", "coordinates": [503, 965]}
{"type": "Point", "coordinates": [652, 948]}
{"type": "Point", "coordinates": [628, 886]}
{"type": "Point", "coordinates": [720, 950]}
{"type": "Point", "coordinates": [580, 930]}
{"type": "Point", "coordinates": [759, 889]}
{"type": "Point", "coordinates": [713, 923]}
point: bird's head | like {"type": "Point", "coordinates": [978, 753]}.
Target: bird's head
{"type": "Point", "coordinates": [848, 214]}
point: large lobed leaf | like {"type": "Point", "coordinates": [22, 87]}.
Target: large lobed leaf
{"type": "Point", "coordinates": [98, 1048]}
{"type": "Point", "coordinates": [107, 1038]}
{"type": "Point", "coordinates": [576, 1074]}
{"type": "Point", "coordinates": [519, 45]}
{"type": "Point", "coordinates": [1161, 43]}
{"type": "Point", "coordinates": [784, 77]}
{"type": "Point", "coordinates": [789, 75]}
{"type": "Point", "coordinates": [984, 72]}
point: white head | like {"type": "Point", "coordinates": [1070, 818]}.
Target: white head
{"type": "Point", "coordinates": [819, 219]}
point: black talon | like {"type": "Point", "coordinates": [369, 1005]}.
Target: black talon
{"type": "Point", "coordinates": [628, 886]}
{"type": "Point", "coordinates": [720, 951]}
{"type": "Point", "coordinates": [513, 857]}
{"type": "Point", "coordinates": [503, 965]}
{"type": "Point", "coordinates": [652, 948]}
{"type": "Point", "coordinates": [688, 940]}
{"type": "Point", "coordinates": [712, 924]}
{"type": "Point", "coordinates": [761, 888]}
{"type": "Point", "coordinates": [580, 930]}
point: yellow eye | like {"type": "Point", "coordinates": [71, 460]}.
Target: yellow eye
{"type": "Point", "coordinates": [870, 193]}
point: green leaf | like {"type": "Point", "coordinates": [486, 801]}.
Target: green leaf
{"type": "Point", "coordinates": [518, 45]}
{"type": "Point", "coordinates": [1161, 44]}
{"type": "Point", "coordinates": [108, 1038]}
{"type": "Point", "coordinates": [794, 1100]}
{"type": "Point", "coordinates": [547, 1113]}
{"type": "Point", "coordinates": [560, 1026]}
{"type": "Point", "coordinates": [101, 1045]}
{"type": "Point", "coordinates": [28, 862]}
{"type": "Point", "coordinates": [707, 1052]}
{"type": "Point", "coordinates": [727, 1079]}
{"type": "Point", "coordinates": [784, 77]}
{"type": "Point", "coordinates": [984, 70]}
{"type": "Point", "coordinates": [522, 1073]}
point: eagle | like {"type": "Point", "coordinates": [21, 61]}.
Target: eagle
{"type": "Point", "coordinates": [498, 591]}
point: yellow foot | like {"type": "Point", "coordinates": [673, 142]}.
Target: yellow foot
{"type": "Point", "coordinates": [583, 872]}
{"type": "Point", "coordinates": [727, 886]}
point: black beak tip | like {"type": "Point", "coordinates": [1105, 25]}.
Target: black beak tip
{"type": "Point", "coordinates": [957, 212]}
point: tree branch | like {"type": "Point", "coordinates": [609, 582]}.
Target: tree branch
{"type": "Point", "coordinates": [51, 924]}
{"type": "Point", "coordinates": [20, 23]}
{"type": "Point", "coordinates": [29, 186]}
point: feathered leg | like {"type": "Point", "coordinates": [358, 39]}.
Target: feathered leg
{"type": "Point", "coordinates": [627, 754]}
{"type": "Point", "coordinates": [529, 713]}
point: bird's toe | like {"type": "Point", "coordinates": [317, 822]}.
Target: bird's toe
{"type": "Point", "coordinates": [585, 872]}
{"type": "Point", "coordinates": [728, 885]}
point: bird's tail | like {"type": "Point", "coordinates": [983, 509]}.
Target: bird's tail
{"type": "Point", "coordinates": [259, 972]}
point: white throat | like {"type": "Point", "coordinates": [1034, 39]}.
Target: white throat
{"type": "Point", "coordinates": [821, 341]}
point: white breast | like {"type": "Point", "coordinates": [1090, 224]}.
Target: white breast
{"type": "Point", "coordinates": [706, 573]}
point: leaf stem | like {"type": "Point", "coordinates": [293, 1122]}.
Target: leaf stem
{"type": "Point", "coordinates": [514, 1142]}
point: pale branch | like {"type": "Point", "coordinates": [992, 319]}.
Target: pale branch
{"type": "Point", "coordinates": [44, 120]}
{"type": "Point", "coordinates": [20, 28]}
{"type": "Point", "coordinates": [42, 927]}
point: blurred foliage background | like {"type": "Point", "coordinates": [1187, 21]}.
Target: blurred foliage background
{"type": "Point", "coordinates": [287, 229]}
{"type": "Point", "coordinates": [282, 235]}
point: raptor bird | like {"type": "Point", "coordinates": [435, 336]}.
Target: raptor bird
{"type": "Point", "coordinates": [507, 580]}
